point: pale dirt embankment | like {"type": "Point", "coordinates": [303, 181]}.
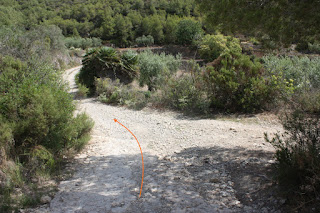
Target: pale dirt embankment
{"type": "Point", "coordinates": [191, 165]}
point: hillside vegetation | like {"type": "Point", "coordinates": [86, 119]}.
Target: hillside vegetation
{"type": "Point", "coordinates": [38, 124]}
{"type": "Point", "coordinates": [40, 38]}
{"type": "Point", "coordinates": [120, 22]}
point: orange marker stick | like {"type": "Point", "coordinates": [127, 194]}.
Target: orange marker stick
{"type": "Point", "coordinates": [115, 120]}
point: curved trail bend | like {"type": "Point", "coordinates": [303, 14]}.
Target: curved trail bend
{"type": "Point", "coordinates": [191, 165]}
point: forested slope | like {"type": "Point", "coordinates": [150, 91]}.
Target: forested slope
{"type": "Point", "coordinates": [120, 21]}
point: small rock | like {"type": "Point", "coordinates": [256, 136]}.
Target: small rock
{"type": "Point", "coordinates": [206, 160]}
{"type": "Point", "coordinates": [224, 194]}
{"type": "Point", "coordinates": [223, 186]}
{"type": "Point", "coordinates": [237, 202]}
{"type": "Point", "coordinates": [136, 189]}
{"type": "Point", "coordinates": [116, 204]}
{"type": "Point", "coordinates": [214, 180]}
{"type": "Point", "coordinates": [223, 174]}
{"type": "Point", "coordinates": [188, 164]}
{"type": "Point", "coordinates": [282, 201]}
{"type": "Point", "coordinates": [271, 161]}
{"type": "Point", "coordinates": [216, 171]}
{"type": "Point", "coordinates": [45, 199]}
{"type": "Point", "coordinates": [154, 190]}
{"type": "Point", "coordinates": [167, 158]}
{"type": "Point", "coordinates": [230, 183]}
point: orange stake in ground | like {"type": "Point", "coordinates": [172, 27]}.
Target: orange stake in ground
{"type": "Point", "coordinates": [115, 120]}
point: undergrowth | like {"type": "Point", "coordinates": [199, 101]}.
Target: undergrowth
{"type": "Point", "coordinates": [38, 127]}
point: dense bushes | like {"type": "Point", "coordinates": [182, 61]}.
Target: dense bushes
{"type": "Point", "coordinates": [118, 21]}
{"type": "Point", "coordinates": [302, 70]}
{"type": "Point", "coordinates": [297, 150]}
{"type": "Point", "coordinates": [314, 47]}
{"type": "Point", "coordinates": [298, 155]}
{"type": "Point", "coordinates": [285, 22]}
{"type": "Point", "coordinates": [37, 123]}
{"type": "Point", "coordinates": [38, 127]}
{"type": "Point", "coordinates": [212, 46]}
{"type": "Point", "coordinates": [106, 62]}
{"type": "Point", "coordinates": [41, 43]}
{"type": "Point", "coordinates": [238, 83]}
{"type": "Point", "coordinates": [308, 47]}
{"type": "Point", "coordinates": [304, 74]}
{"type": "Point", "coordinates": [114, 92]}
{"type": "Point", "coordinates": [186, 93]}
{"type": "Point", "coordinates": [37, 108]}
{"type": "Point", "coordinates": [233, 82]}
{"type": "Point", "coordinates": [145, 41]}
{"type": "Point", "coordinates": [187, 31]}
{"type": "Point", "coordinates": [84, 43]}
{"type": "Point", "coordinates": [155, 69]}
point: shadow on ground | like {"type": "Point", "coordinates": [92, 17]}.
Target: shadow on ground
{"type": "Point", "coordinates": [194, 180]}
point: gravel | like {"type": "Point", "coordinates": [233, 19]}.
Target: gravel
{"type": "Point", "coordinates": [191, 164]}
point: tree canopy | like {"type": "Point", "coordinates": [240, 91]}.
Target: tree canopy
{"type": "Point", "coordinates": [118, 21]}
{"type": "Point", "coordinates": [285, 21]}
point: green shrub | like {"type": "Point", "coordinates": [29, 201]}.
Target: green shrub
{"type": "Point", "coordinates": [308, 101]}
{"type": "Point", "coordinates": [72, 42]}
{"type": "Point", "coordinates": [76, 52]}
{"type": "Point", "coordinates": [40, 43]}
{"type": "Point", "coordinates": [78, 132]}
{"type": "Point", "coordinates": [155, 69]}
{"type": "Point", "coordinates": [108, 90]}
{"type": "Point", "coordinates": [237, 83]}
{"type": "Point", "coordinates": [298, 153]}
{"type": "Point", "coordinates": [212, 46]}
{"type": "Point", "coordinates": [186, 93]}
{"type": "Point", "coordinates": [37, 126]}
{"type": "Point", "coordinates": [106, 62]}
{"type": "Point", "coordinates": [269, 43]}
{"type": "Point", "coordinates": [113, 92]}
{"type": "Point", "coordinates": [188, 29]}
{"type": "Point", "coordinates": [96, 42]}
{"type": "Point", "coordinates": [14, 174]}
{"type": "Point", "coordinates": [314, 47]}
{"type": "Point", "coordinates": [84, 43]}
{"type": "Point", "coordinates": [145, 41]}
{"type": "Point", "coordinates": [302, 46]}
{"type": "Point", "coordinates": [254, 41]}
{"type": "Point", "coordinates": [129, 60]}
{"type": "Point", "coordinates": [83, 91]}
{"type": "Point", "coordinates": [38, 109]}
{"type": "Point", "coordinates": [41, 161]}
{"type": "Point", "coordinates": [6, 139]}
{"type": "Point", "coordinates": [302, 70]}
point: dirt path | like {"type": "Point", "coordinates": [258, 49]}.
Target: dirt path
{"type": "Point", "coordinates": [191, 165]}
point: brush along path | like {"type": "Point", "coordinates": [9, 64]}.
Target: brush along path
{"type": "Point", "coordinates": [191, 164]}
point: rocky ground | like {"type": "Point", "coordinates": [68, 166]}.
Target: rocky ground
{"type": "Point", "coordinates": [191, 164]}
